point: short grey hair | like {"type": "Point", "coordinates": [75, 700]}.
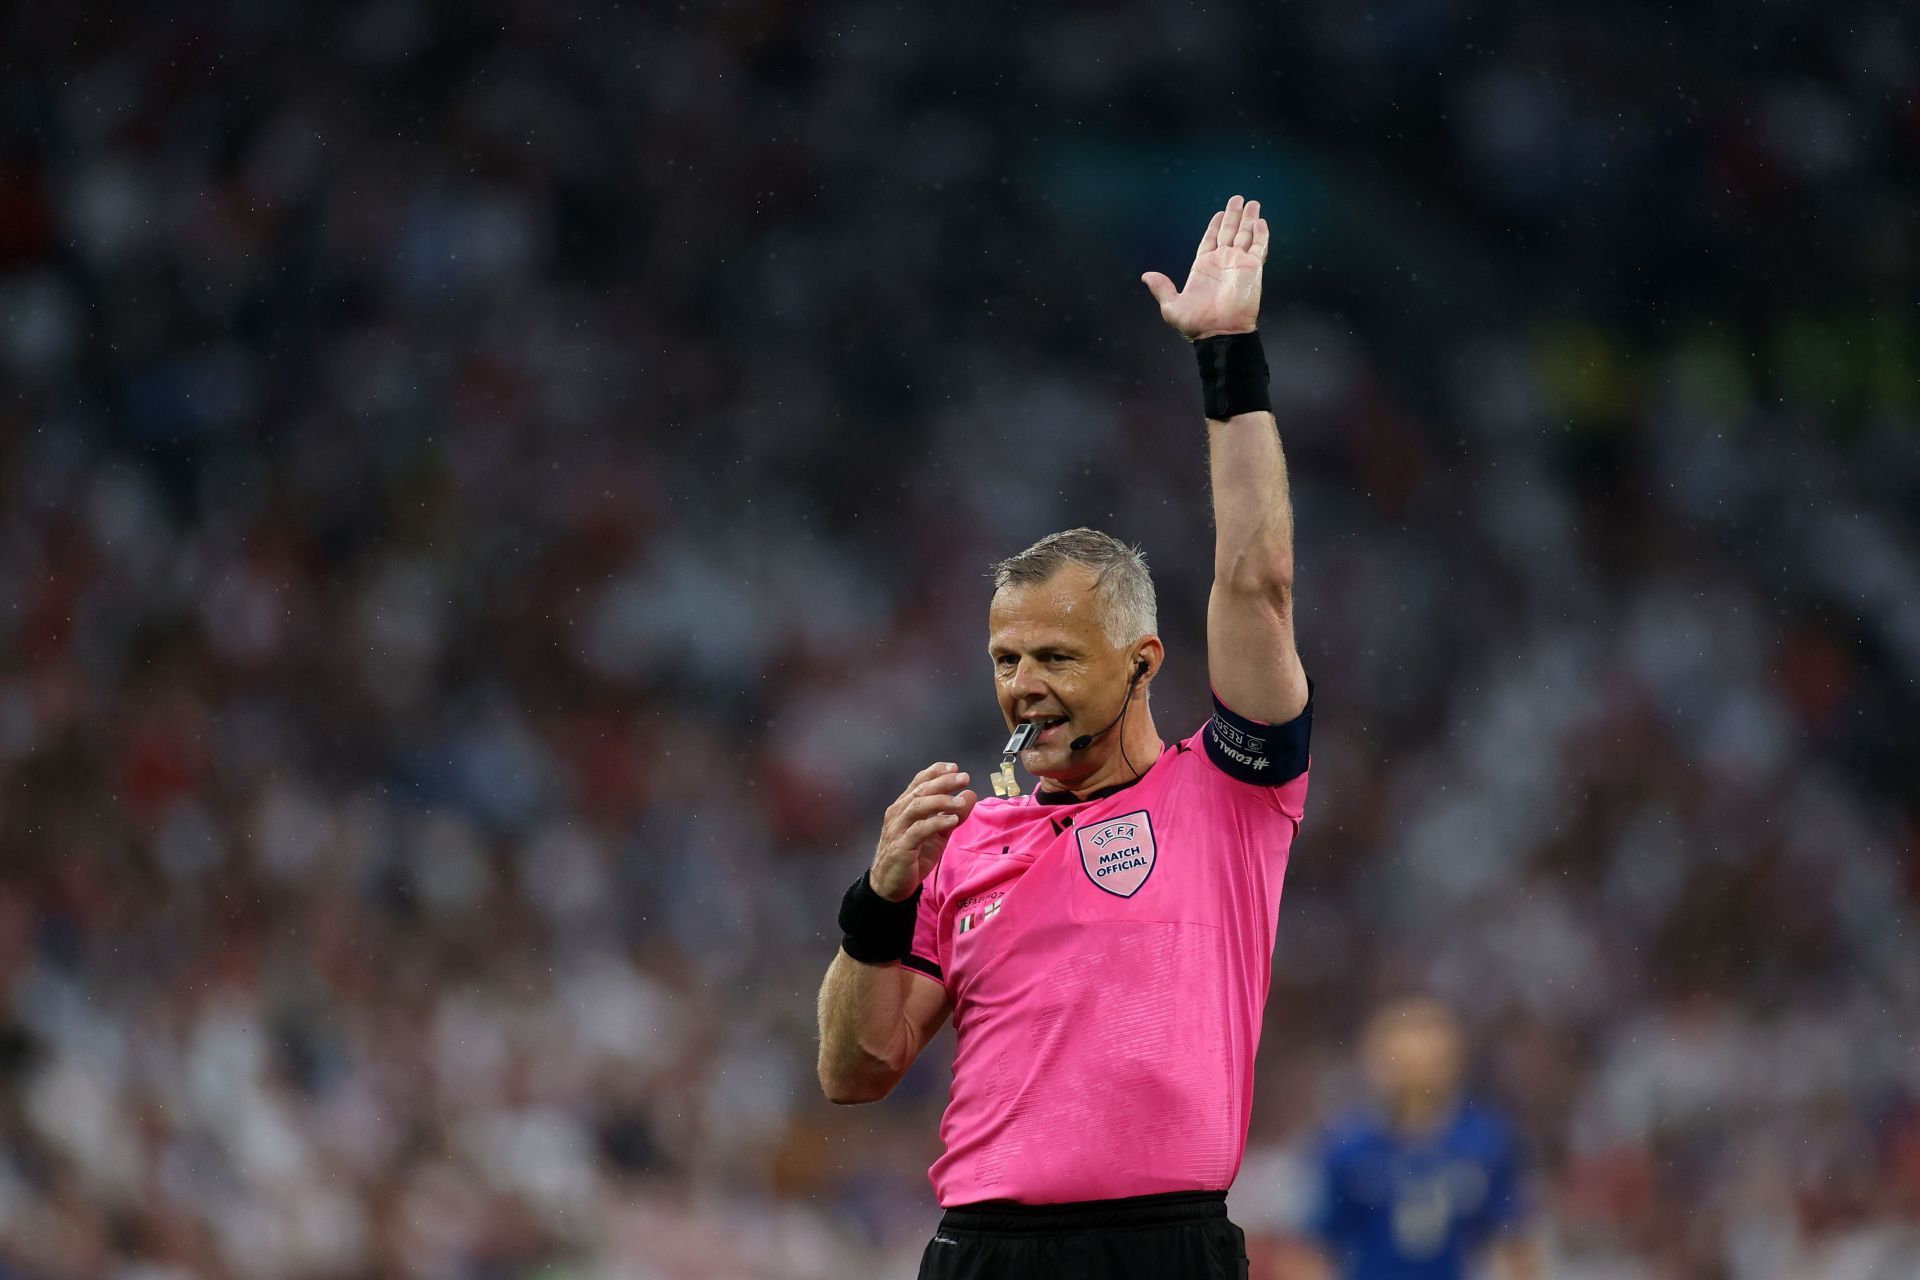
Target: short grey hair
{"type": "Point", "coordinates": [1122, 586]}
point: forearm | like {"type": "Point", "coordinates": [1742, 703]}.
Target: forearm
{"type": "Point", "coordinates": [876, 1016]}
{"type": "Point", "coordinates": [1251, 659]}
{"type": "Point", "coordinates": [866, 1044]}
{"type": "Point", "coordinates": [1252, 508]}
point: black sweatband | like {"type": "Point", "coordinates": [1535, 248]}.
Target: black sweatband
{"type": "Point", "coordinates": [1233, 375]}
{"type": "Point", "coordinates": [875, 931]}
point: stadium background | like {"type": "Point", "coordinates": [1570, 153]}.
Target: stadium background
{"type": "Point", "coordinates": [494, 499]}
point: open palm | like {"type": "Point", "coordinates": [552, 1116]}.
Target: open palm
{"type": "Point", "coordinates": [1222, 293]}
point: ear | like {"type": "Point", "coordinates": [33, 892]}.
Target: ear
{"type": "Point", "coordinates": [1147, 660]}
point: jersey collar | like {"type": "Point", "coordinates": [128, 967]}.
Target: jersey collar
{"type": "Point", "coordinates": [1067, 797]}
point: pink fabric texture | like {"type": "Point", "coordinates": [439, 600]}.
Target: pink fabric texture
{"type": "Point", "coordinates": [1108, 963]}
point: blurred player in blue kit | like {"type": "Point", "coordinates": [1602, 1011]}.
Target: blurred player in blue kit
{"type": "Point", "coordinates": [1424, 1184]}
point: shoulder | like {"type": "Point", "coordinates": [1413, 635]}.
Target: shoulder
{"type": "Point", "coordinates": [1252, 768]}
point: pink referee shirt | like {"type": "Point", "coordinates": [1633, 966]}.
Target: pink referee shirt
{"type": "Point", "coordinates": [1108, 962]}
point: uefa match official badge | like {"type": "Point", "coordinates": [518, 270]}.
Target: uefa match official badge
{"type": "Point", "coordinates": [1118, 854]}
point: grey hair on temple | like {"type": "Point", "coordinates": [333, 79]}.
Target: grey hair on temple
{"type": "Point", "coordinates": [1122, 585]}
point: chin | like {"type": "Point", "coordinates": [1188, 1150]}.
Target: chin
{"type": "Point", "coordinates": [1042, 762]}
{"type": "Point", "coordinates": [1051, 762]}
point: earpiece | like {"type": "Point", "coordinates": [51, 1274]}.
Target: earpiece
{"type": "Point", "coordinates": [1086, 740]}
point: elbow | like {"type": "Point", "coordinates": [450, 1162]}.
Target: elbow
{"type": "Point", "coordinates": [847, 1088]}
{"type": "Point", "coordinates": [1256, 576]}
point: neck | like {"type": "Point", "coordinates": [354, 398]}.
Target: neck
{"type": "Point", "coordinates": [1133, 739]}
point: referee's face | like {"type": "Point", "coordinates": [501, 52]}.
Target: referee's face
{"type": "Point", "coordinates": [1053, 664]}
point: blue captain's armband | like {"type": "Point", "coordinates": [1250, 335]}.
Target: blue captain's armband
{"type": "Point", "coordinates": [1267, 755]}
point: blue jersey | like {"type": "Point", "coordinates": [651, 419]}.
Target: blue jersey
{"type": "Point", "coordinates": [1393, 1208]}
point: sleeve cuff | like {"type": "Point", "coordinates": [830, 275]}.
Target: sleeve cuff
{"type": "Point", "coordinates": [1253, 751]}
{"type": "Point", "coordinates": [920, 964]}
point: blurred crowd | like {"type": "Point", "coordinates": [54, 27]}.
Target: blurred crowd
{"type": "Point", "coordinates": [494, 499]}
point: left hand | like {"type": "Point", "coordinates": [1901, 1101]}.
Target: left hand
{"type": "Point", "coordinates": [1222, 294]}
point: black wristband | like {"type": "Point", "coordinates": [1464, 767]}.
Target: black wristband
{"type": "Point", "coordinates": [874, 930]}
{"type": "Point", "coordinates": [1233, 375]}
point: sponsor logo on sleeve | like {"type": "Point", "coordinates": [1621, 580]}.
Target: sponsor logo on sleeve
{"type": "Point", "coordinates": [1118, 854]}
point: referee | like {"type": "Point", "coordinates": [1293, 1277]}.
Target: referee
{"type": "Point", "coordinates": [1103, 945]}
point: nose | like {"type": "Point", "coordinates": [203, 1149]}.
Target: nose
{"type": "Point", "coordinates": [1026, 681]}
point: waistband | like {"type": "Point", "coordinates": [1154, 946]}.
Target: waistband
{"type": "Point", "coordinates": [1166, 1209]}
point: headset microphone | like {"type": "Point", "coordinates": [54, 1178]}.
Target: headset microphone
{"type": "Point", "coordinates": [1086, 740]}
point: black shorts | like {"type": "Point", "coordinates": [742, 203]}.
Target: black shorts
{"type": "Point", "coordinates": [1181, 1236]}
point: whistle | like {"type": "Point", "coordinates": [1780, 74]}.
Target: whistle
{"type": "Point", "coordinates": [1004, 784]}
